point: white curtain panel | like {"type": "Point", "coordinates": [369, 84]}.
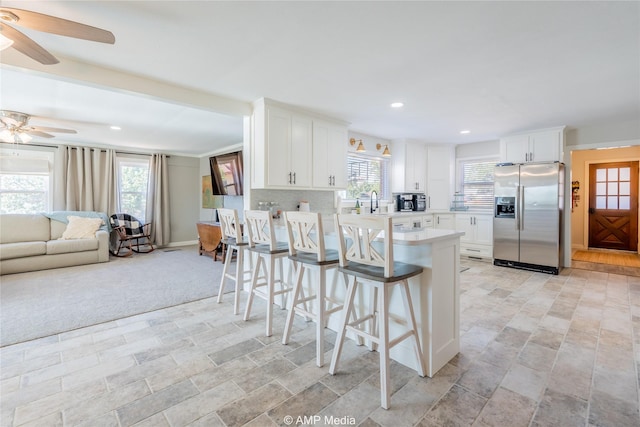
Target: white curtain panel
{"type": "Point", "coordinates": [90, 179]}
{"type": "Point", "coordinates": [158, 200]}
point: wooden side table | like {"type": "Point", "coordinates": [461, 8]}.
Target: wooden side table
{"type": "Point", "coordinates": [209, 239]}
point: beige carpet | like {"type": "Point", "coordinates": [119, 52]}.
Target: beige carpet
{"type": "Point", "coordinates": [43, 303]}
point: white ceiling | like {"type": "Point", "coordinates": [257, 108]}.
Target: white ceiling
{"type": "Point", "coordinates": [490, 67]}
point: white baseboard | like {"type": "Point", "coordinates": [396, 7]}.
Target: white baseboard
{"type": "Point", "coordinates": [185, 243]}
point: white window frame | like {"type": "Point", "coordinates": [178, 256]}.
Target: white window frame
{"type": "Point", "coordinates": [124, 160]}
{"type": "Point", "coordinates": [461, 161]}
{"type": "Point", "coordinates": [385, 180]}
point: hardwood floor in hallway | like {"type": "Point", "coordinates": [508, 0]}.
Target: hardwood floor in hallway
{"type": "Point", "coordinates": [609, 261]}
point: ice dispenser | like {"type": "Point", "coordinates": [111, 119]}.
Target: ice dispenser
{"type": "Point", "coordinates": [505, 207]}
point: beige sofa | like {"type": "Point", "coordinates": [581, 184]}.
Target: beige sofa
{"type": "Point", "coordinates": [32, 242]}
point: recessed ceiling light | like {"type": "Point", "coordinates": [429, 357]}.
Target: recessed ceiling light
{"type": "Point", "coordinates": [115, 127]}
{"type": "Point", "coordinates": [464, 132]}
{"type": "Point", "coordinates": [397, 105]}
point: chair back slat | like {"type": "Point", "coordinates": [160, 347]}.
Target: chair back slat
{"type": "Point", "coordinates": [260, 230]}
{"type": "Point", "coordinates": [305, 233]}
{"type": "Point", "coordinates": [365, 240]}
{"type": "Point", "coordinates": [229, 224]}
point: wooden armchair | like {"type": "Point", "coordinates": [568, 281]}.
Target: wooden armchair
{"type": "Point", "coordinates": [129, 233]}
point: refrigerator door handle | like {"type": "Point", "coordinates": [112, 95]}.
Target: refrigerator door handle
{"type": "Point", "coordinates": [516, 214]}
{"type": "Point", "coordinates": [521, 207]}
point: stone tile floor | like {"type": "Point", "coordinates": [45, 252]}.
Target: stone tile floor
{"type": "Point", "coordinates": [537, 350]}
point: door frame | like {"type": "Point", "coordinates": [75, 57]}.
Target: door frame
{"type": "Point", "coordinates": [585, 202]}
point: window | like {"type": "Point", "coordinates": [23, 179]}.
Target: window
{"type": "Point", "coordinates": [366, 174]}
{"type": "Point", "coordinates": [133, 182]}
{"type": "Point", "coordinates": [25, 183]}
{"type": "Point", "coordinates": [476, 182]}
{"type": "Point", "coordinates": [613, 188]}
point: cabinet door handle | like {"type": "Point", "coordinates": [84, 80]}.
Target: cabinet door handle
{"type": "Point", "coordinates": [429, 202]}
{"type": "Point", "coordinates": [438, 220]}
{"type": "Point", "coordinates": [531, 156]}
{"type": "Point", "coordinates": [526, 157]}
{"type": "Point", "coordinates": [289, 177]}
{"type": "Point", "coordinates": [294, 177]}
{"type": "Point", "coordinates": [470, 220]}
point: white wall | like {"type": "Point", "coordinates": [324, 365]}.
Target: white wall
{"type": "Point", "coordinates": [183, 174]}
{"type": "Point", "coordinates": [478, 149]}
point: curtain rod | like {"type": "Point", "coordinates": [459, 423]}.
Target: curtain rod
{"type": "Point", "coordinates": [74, 148]}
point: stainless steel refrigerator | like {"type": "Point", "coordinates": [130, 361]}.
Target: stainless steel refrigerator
{"type": "Point", "coordinates": [527, 220]}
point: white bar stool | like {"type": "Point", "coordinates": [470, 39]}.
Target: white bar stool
{"type": "Point", "coordinates": [366, 254]}
{"type": "Point", "coordinates": [262, 242]}
{"type": "Point", "coordinates": [307, 252]}
{"type": "Point", "coordinates": [232, 237]}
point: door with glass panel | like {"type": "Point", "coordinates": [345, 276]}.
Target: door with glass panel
{"type": "Point", "coordinates": [613, 206]}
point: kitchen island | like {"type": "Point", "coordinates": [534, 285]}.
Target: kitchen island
{"type": "Point", "coordinates": [435, 294]}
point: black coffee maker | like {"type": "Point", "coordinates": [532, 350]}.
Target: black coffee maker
{"type": "Point", "coordinates": [404, 202]}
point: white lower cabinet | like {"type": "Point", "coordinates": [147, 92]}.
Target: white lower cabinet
{"type": "Point", "coordinates": [445, 221]}
{"type": "Point", "coordinates": [478, 234]}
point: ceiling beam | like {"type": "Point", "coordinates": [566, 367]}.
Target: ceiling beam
{"type": "Point", "coordinates": [77, 72]}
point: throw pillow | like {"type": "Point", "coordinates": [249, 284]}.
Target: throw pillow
{"type": "Point", "coordinates": [81, 228]}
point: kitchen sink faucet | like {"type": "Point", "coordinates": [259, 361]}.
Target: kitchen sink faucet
{"type": "Point", "coordinates": [371, 202]}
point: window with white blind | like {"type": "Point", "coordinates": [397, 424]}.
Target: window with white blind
{"type": "Point", "coordinates": [476, 182]}
{"type": "Point", "coordinates": [25, 182]}
{"type": "Point", "coordinates": [366, 174]}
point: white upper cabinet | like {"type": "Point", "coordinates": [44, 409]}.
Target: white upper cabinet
{"type": "Point", "coordinates": [409, 161]}
{"type": "Point", "coordinates": [288, 149]}
{"type": "Point", "coordinates": [429, 169]}
{"type": "Point", "coordinates": [329, 155]}
{"type": "Point", "coordinates": [295, 150]}
{"type": "Point", "coordinates": [440, 175]}
{"type": "Point", "coordinates": [536, 146]}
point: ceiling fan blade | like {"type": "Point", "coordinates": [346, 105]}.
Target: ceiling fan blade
{"type": "Point", "coordinates": [27, 46]}
{"type": "Point", "coordinates": [56, 130]}
{"type": "Point", "coordinates": [40, 134]}
{"type": "Point", "coordinates": [60, 26]}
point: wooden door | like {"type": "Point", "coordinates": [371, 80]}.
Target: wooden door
{"type": "Point", "coordinates": [613, 205]}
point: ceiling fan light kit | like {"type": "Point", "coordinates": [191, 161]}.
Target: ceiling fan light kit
{"type": "Point", "coordinates": [50, 24]}
{"type": "Point", "coordinates": [14, 128]}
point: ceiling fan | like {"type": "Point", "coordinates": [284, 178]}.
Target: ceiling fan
{"type": "Point", "coordinates": [47, 23]}
{"type": "Point", "coordinates": [14, 127]}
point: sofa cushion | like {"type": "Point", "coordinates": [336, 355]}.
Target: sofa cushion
{"type": "Point", "coordinates": [60, 219]}
{"type": "Point", "coordinates": [81, 228]}
{"type": "Point", "coordinates": [73, 245]}
{"type": "Point", "coordinates": [24, 228]}
{"type": "Point", "coordinates": [22, 249]}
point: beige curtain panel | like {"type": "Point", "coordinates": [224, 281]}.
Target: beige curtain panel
{"type": "Point", "coordinates": [158, 199]}
{"type": "Point", "coordinates": [90, 179]}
